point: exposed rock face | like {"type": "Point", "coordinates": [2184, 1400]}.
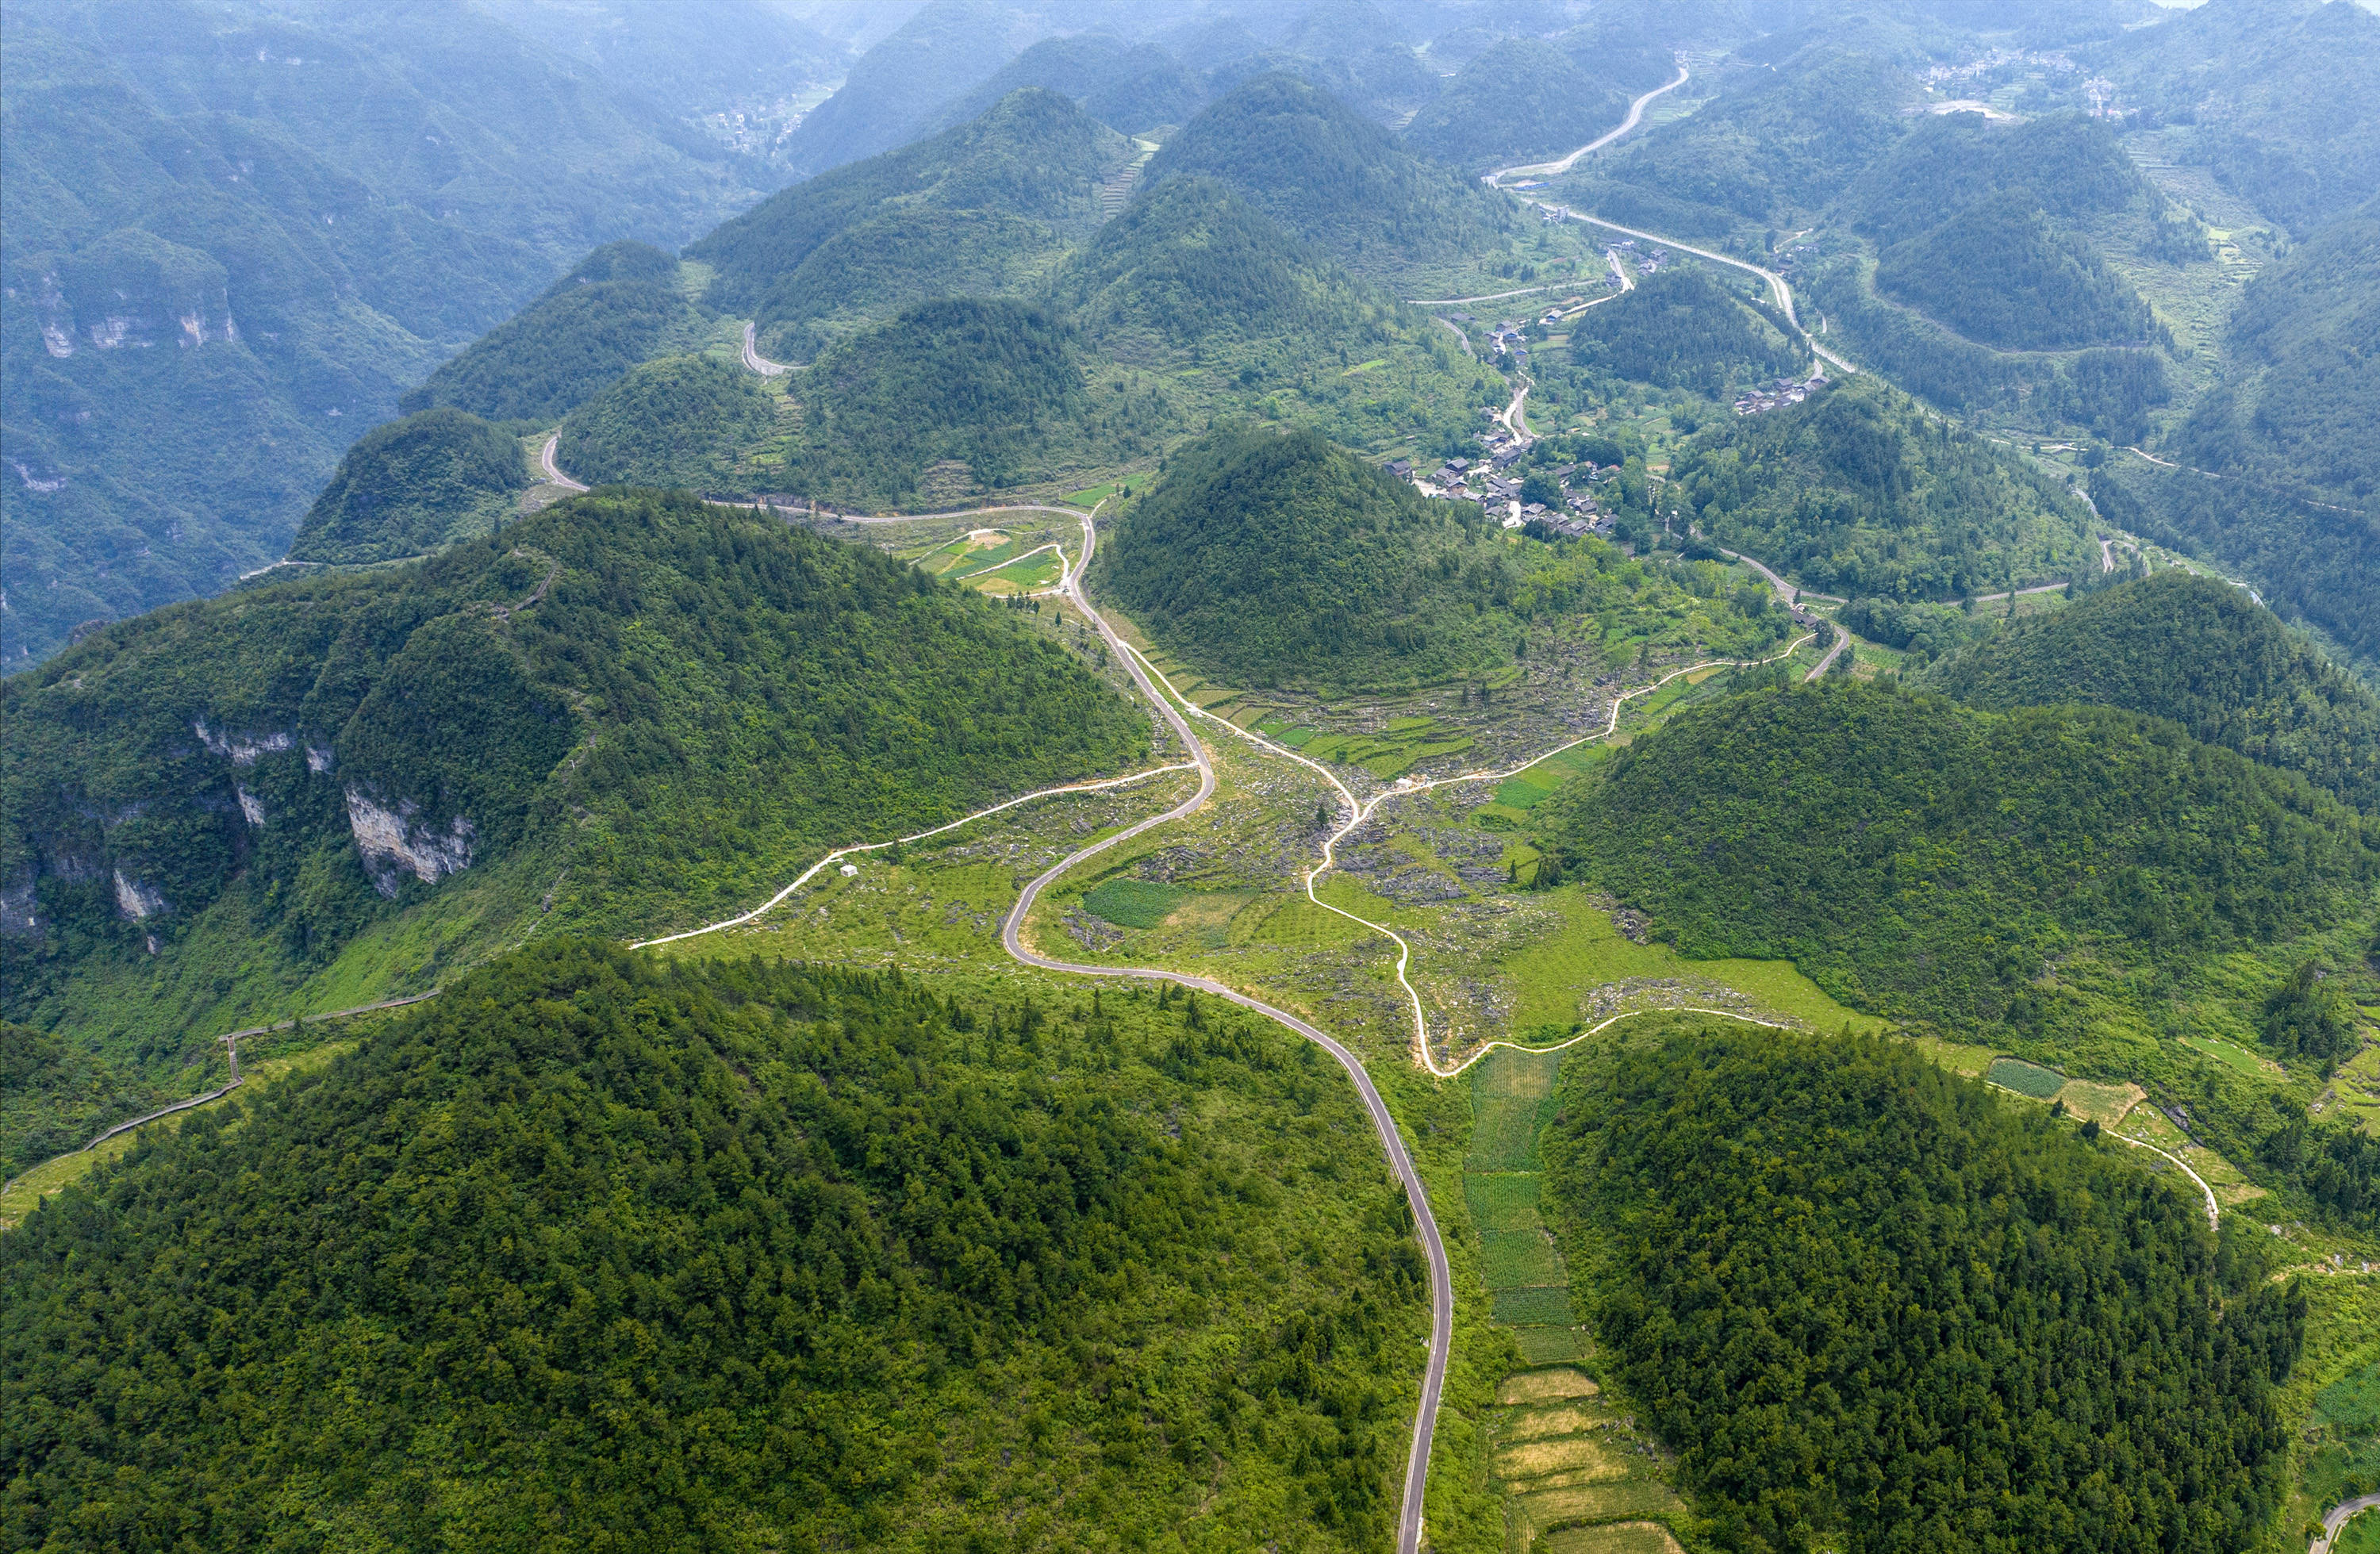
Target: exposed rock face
{"type": "Point", "coordinates": [394, 841]}
{"type": "Point", "coordinates": [252, 807]}
{"type": "Point", "coordinates": [138, 901]}
{"type": "Point", "coordinates": [20, 916]}
{"type": "Point", "coordinates": [243, 749]}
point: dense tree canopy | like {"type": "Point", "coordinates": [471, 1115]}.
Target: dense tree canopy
{"type": "Point", "coordinates": [592, 1253]}
{"type": "Point", "coordinates": [412, 485]}
{"type": "Point", "coordinates": [1874, 1308]}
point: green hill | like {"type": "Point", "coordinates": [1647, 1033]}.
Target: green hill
{"type": "Point", "coordinates": [2071, 167]}
{"type": "Point", "coordinates": [629, 712]}
{"type": "Point", "coordinates": [2197, 651]}
{"type": "Point", "coordinates": [1926, 860]}
{"type": "Point", "coordinates": [1131, 87]}
{"type": "Point", "coordinates": [945, 401]}
{"type": "Point", "coordinates": [1192, 283]}
{"type": "Point", "coordinates": [1856, 491]}
{"type": "Point", "coordinates": [2295, 409]}
{"type": "Point", "coordinates": [1267, 559]}
{"type": "Point", "coordinates": [1680, 328]}
{"type": "Point", "coordinates": [411, 486]}
{"type": "Point", "coordinates": [53, 1098]}
{"type": "Point", "coordinates": [683, 420]}
{"type": "Point", "coordinates": [1033, 157]}
{"type": "Point", "coordinates": [737, 1256]}
{"type": "Point", "coordinates": [1335, 179]}
{"type": "Point", "coordinates": [870, 271]}
{"type": "Point", "coordinates": [944, 48]}
{"type": "Point", "coordinates": [2000, 272]}
{"type": "Point", "coordinates": [2315, 564]}
{"type": "Point", "coordinates": [621, 305]}
{"type": "Point", "coordinates": [1780, 1242]}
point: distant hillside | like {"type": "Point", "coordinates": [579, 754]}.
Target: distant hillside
{"type": "Point", "coordinates": [1923, 859]}
{"type": "Point", "coordinates": [683, 420]}
{"type": "Point", "coordinates": [619, 306]}
{"type": "Point", "coordinates": [2069, 167]}
{"type": "Point", "coordinates": [712, 1305]}
{"type": "Point", "coordinates": [1755, 1223]}
{"type": "Point", "coordinates": [945, 401]}
{"type": "Point", "coordinates": [1335, 179]}
{"type": "Point", "coordinates": [1857, 491]}
{"type": "Point", "coordinates": [229, 242]}
{"type": "Point", "coordinates": [856, 245]}
{"type": "Point", "coordinates": [1130, 87]}
{"type": "Point", "coordinates": [2197, 651]}
{"type": "Point", "coordinates": [53, 1098]}
{"type": "Point", "coordinates": [1526, 99]}
{"type": "Point", "coordinates": [2302, 382]}
{"type": "Point", "coordinates": [630, 712]}
{"type": "Point", "coordinates": [894, 88]}
{"type": "Point", "coordinates": [412, 485]}
{"type": "Point", "coordinates": [1682, 328]}
{"type": "Point", "coordinates": [1192, 282]}
{"type": "Point", "coordinates": [2280, 97]}
{"type": "Point", "coordinates": [1779, 147]}
{"type": "Point", "coordinates": [1998, 272]}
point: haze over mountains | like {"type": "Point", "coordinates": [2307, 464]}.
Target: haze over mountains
{"type": "Point", "coordinates": [1440, 774]}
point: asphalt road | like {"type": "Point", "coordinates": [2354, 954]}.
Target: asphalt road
{"type": "Point", "coordinates": [755, 360]}
{"type": "Point", "coordinates": [1636, 117]}
{"type": "Point", "coordinates": [552, 470]}
{"type": "Point", "coordinates": [2336, 1517]}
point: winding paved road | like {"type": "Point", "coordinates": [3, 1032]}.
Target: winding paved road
{"type": "Point", "coordinates": [552, 470]}
{"type": "Point", "coordinates": [2336, 1517]}
{"type": "Point", "coordinates": [1636, 117]}
{"type": "Point", "coordinates": [755, 360]}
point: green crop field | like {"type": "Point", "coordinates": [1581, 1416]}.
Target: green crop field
{"type": "Point", "coordinates": [1503, 1201]}
{"type": "Point", "coordinates": [1022, 576]}
{"type": "Point", "coordinates": [1545, 1305]}
{"type": "Point", "coordinates": [1517, 1259]}
{"type": "Point", "coordinates": [1525, 788]}
{"type": "Point", "coordinates": [2024, 1078]}
{"type": "Point", "coordinates": [1134, 903]}
{"type": "Point", "coordinates": [1280, 731]}
{"type": "Point", "coordinates": [2231, 1055]}
{"type": "Point", "coordinates": [1392, 752]}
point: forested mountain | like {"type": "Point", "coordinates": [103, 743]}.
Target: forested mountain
{"type": "Point", "coordinates": [1269, 559]}
{"type": "Point", "coordinates": [2000, 272]}
{"type": "Point", "coordinates": [1924, 859]}
{"type": "Point", "coordinates": [1779, 147]}
{"type": "Point", "coordinates": [411, 486]}
{"type": "Point", "coordinates": [1342, 183]}
{"type": "Point", "coordinates": [1857, 491]}
{"type": "Point", "coordinates": [1682, 328]}
{"type": "Point", "coordinates": [1192, 282]}
{"type": "Point", "coordinates": [894, 88]}
{"type": "Point", "coordinates": [54, 1098]}
{"type": "Point", "coordinates": [2295, 412]}
{"type": "Point", "coordinates": [684, 421]}
{"type": "Point", "coordinates": [2279, 99]}
{"type": "Point", "coordinates": [228, 243]}
{"type": "Point", "coordinates": [621, 305]}
{"type": "Point", "coordinates": [1780, 1242]}
{"type": "Point", "coordinates": [626, 711]}
{"type": "Point", "coordinates": [2067, 166]}
{"type": "Point", "coordinates": [986, 205]}
{"type": "Point", "coordinates": [738, 1256]}
{"type": "Point", "coordinates": [1130, 87]}
{"type": "Point", "coordinates": [2197, 651]}
{"type": "Point", "coordinates": [1521, 98]}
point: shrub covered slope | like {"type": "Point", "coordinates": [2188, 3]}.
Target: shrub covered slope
{"type": "Point", "coordinates": [1875, 1309]}
{"type": "Point", "coordinates": [744, 1258]}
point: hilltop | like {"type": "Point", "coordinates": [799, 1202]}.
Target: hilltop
{"type": "Point", "coordinates": [628, 712]}
{"type": "Point", "coordinates": [412, 485]}
{"type": "Point", "coordinates": [1858, 491]}
{"type": "Point", "coordinates": [2198, 651]}
{"type": "Point", "coordinates": [619, 306]}
{"type": "Point", "coordinates": [1030, 165]}
{"type": "Point", "coordinates": [1194, 282]}
{"type": "Point", "coordinates": [682, 420]}
{"type": "Point", "coordinates": [713, 1306]}
{"type": "Point", "coordinates": [1334, 178]}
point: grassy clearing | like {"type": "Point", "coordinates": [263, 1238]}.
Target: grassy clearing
{"type": "Point", "coordinates": [1404, 744]}
{"type": "Point", "coordinates": [1026, 575]}
{"type": "Point", "coordinates": [2233, 1056]}
{"type": "Point", "coordinates": [1134, 903]}
{"type": "Point", "coordinates": [2024, 1078]}
{"type": "Point", "coordinates": [1518, 1260]}
{"type": "Point", "coordinates": [1550, 975]}
{"type": "Point", "coordinates": [1617, 1538]}
{"type": "Point", "coordinates": [2104, 1104]}
{"type": "Point", "coordinates": [1090, 494]}
{"type": "Point", "coordinates": [1526, 788]}
{"type": "Point", "coordinates": [1502, 1201]}
{"type": "Point", "coordinates": [1957, 1057]}
{"type": "Point", "coordinates": [1538, 1306]}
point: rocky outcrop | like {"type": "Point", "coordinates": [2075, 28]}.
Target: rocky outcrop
{"type": "Point", "coordinates": [394, 842]}
{"type": "Point", "coordinates": [136, 900]}
{"type": "Point", "coordinates": [243, 749]}
{"type": "Point", "coordinates": [20, 916]}
{"type": "Point", "coordinates": [250, 805]}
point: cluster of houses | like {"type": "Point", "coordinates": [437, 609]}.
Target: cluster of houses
{"type": "Point", "coordinates": [1490, 483]}
{"type": "Point", "coordinates": [1785, 391]}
